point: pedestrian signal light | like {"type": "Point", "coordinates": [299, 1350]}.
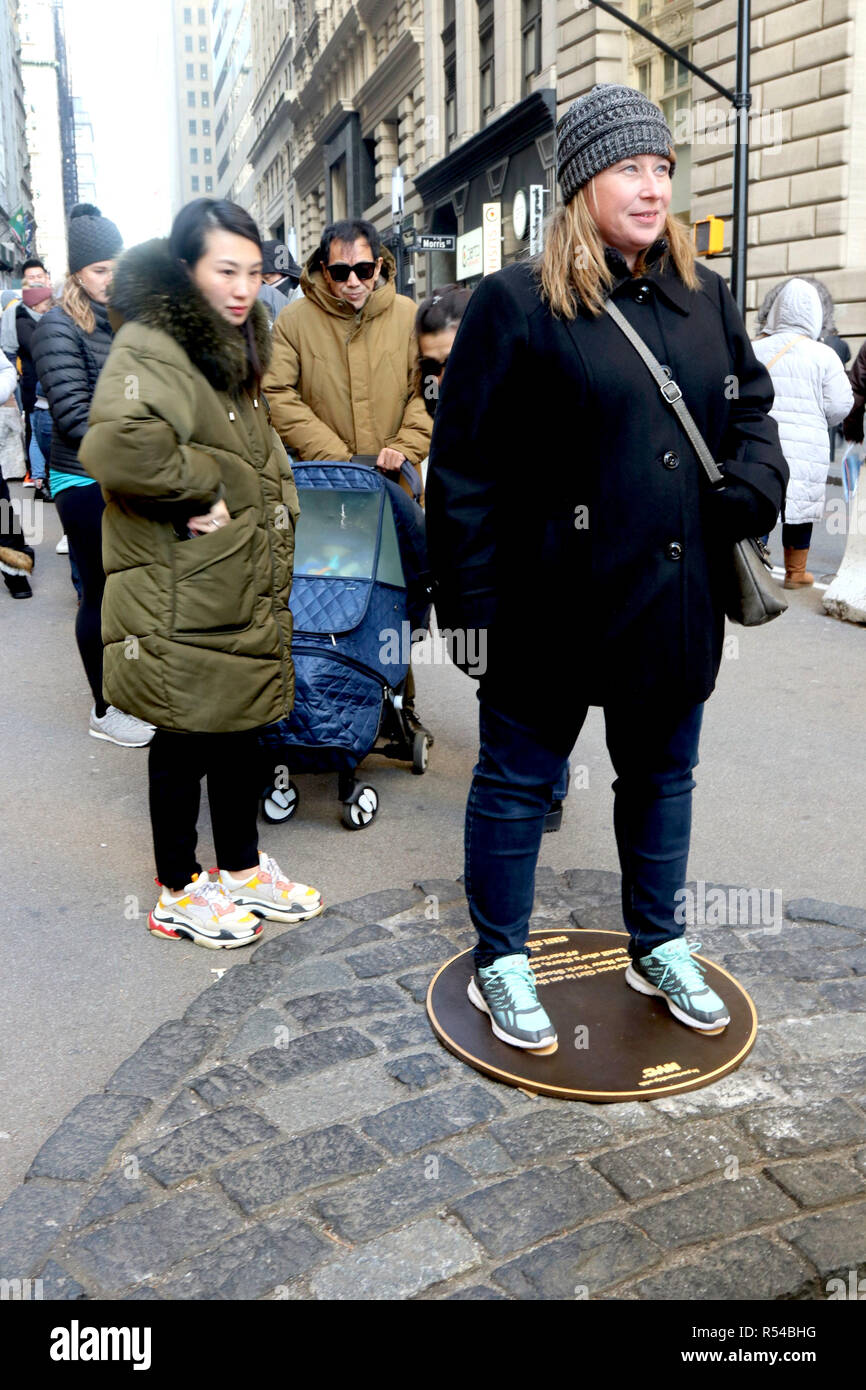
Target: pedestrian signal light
{"type": "Point", "coordinates": [709, 236]}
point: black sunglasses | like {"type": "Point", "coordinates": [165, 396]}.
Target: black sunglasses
{"type": "Point", "coordinates": [430, 367]}
{"type": "Point", "coordinates": [340, 272]}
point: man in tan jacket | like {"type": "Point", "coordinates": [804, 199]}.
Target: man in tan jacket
{"type": "Point", "coordinates": [341, 379]}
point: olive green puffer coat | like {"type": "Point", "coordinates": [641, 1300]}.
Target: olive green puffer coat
{"type": "Point", "coordinates": [197, 630]}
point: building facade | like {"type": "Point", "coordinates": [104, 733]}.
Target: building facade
{"type": "Point", "coordinates": [194, 90]}
{"type": "Point", "coordinates": [16, 202]}
{"type": "Point", "coordinates": [40, 73]}
{"type": "Point", "coordinates": [234, 128]}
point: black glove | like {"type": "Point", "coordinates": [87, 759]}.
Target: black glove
{"type": "Point", "coordinates": [739, 510]}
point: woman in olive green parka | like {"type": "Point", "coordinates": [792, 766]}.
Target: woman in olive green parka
{"type": "Point", "coordinates": [198, 542]}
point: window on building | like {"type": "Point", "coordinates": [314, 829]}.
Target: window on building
{"type": "Point", "coordinates": [202, 43]}
{"type": "Point", "coordinates": [187, 16]}
{"type": "Point", "coordinates": [193, 155]}
{"type": "Point", "coordinates": [190, 72]}
{"type": "Point", "coordinates": [449, 61]}
{"type": "Point", "coordinates": [677, 74]}
{"type": "Point", "coordinates": [644, 78]}
{"type": "Point", "coordinates": [202, 72]}
{"type": "Point", "coordinates": [208, 183]}
{"type": "Point", "coordinates": [531, 42]}
{"type": "Point", "coordinates": [193, 183]}
{"type": "Point", "coordinates": [205, 99]}
{"type": "Point", "coordinates": [187, 43]}
{"type": "Point", "coordinates": [190, 98]}
{"type": "Point", "coordinates": [192, 128]}
{"type": "Point", "coordinates": [202, 15]}
{"type": "Point", "coordinates": [644, 8]}
{"type": "Point", "coordinates": [205, 127]}
{"type": "Point", "coordinates": [485, 57]}
{"type": "Point", "coordinates": [207, 154]}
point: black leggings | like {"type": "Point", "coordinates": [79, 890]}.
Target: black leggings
{"type": "Point", "coordinates": [797, 535]}
{"type": "Point", "coordinates": [236, 775]}
{"type": "Point", "coordinates": [80, 510]}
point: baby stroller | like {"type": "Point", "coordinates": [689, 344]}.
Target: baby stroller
{"type": "Point", "coordinates": [361, 591]}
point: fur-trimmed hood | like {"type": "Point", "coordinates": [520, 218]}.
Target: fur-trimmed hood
{"type": "Point", "coordinates": [151, 287]}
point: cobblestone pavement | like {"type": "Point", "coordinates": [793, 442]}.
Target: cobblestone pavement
{"type": "Point", "coordinates": [300, 1134]}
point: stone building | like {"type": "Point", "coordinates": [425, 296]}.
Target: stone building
{"type": "Point", "coordinates": [195, 171]}
{"type": "Point", "coordinates": [40, 71]}
{"type": "Point", "coordinates": [234, 129]}
{"type": "Point", "coordinates": [15, 193]}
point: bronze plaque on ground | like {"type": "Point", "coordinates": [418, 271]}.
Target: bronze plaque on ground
{"type": "Point", "coordinates": [613, 1043]}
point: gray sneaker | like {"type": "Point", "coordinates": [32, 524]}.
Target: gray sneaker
{"type": "Point", "coordinates": [117, 727]}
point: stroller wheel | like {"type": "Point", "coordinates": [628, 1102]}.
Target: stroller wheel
{"type": "Point", "coordinates": [357, 814]}
{"type": "Point", "coordinates": [420, 753]}
{"type": "Point", "coordinates": [280, 804]}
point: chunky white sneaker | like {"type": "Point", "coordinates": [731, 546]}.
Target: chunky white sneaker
{"type": "Point", "coordinates": [272, 894]}
{"type": "Point", "coordinates": [62, 546]}
{"type": "Point", "coordinates": [204, 913]}
{"type": "Point", "coordinates": [124, 729]}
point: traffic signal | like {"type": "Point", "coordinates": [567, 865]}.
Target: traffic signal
{"type": "Point", "coordinates": [708, 235]}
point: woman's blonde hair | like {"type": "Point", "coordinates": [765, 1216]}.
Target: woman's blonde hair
{"type": "Point", "coordinates": [76, 301]}
{"type": "Point", "coordinates": [572, 268]}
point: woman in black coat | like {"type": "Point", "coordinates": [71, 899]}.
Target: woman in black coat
{"type": "Point", "coordinates": [576, 542]}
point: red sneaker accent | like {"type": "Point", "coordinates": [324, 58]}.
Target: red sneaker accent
{"type": "Point", "coordinates": [160, 929]}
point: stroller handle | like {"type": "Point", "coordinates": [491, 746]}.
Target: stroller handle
{"type": "Point", "coordinates": [407, 471]}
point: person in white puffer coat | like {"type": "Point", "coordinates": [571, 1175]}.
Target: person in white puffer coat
{"type": "Point", "coordinates": [812, 394]}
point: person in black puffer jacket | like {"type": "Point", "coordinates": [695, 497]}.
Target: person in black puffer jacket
{"type": "Point", "coordinates": [69, 348]}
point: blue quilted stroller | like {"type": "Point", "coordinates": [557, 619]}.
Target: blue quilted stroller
{"type": "Point", "coordinates": [361, 591]}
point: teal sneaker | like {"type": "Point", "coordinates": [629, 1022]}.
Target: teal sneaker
{"type": "Point", "coordinates": [671, 971]}
{"type": "Point", "coordinates": [506, 991]}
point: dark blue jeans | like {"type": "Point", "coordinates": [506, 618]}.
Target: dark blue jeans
{"type": "Point", "coordinates": [522, 759]}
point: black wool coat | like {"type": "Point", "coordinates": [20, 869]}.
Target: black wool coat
{"type": "Point", "coordinates": [567, 514]}
{"type": "Point", "coordinates": [68, 362]}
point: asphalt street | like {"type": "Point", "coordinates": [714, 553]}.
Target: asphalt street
{"type": "Point", "coordinates": [779, 805]}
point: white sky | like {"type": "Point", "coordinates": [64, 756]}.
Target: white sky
{"type": "Point", "coordinates": [121, 58]}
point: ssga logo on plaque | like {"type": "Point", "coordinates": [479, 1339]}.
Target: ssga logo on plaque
{"type": "Point", "coordinates": [613, 1043]}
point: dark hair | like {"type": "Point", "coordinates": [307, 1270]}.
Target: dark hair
{"type": "Point", "coordinates": [356, 230]}
{"type": "Point", "coordinates": [443, 309]}
{"type": "Point", "coordinates": [187, 242]}
{"type": "Point", "coordinates": [33, 264]}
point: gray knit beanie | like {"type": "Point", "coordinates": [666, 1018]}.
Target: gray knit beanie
{"type": "Point", "coordinates": [603, 126]}
{"type": "Point", "coordinates": [91, 237]}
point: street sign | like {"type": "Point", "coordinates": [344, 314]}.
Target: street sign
{"type": "Point", "coordinates": [469, 254]}
{"type": "Point", "coordinates": [433, 242]}
{"type": "Point", "coordinates": [491, 221]}
{"type": "Point", "coordinates": [536, 217]}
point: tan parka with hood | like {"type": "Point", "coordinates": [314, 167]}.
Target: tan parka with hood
{"type": "Point", "coordinates": [341, 381]}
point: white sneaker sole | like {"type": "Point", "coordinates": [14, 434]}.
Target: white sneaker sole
{"type": "Point", "coordinates": [173, 931]}
{"type": "Point", "coordinates": [121, 743]}
{"type": "Point", "coordinates": [271, 913]}
{"type": "Point", "coordinates": [477, 998]}
{"type": "Point", "coordinates": [644, 987]}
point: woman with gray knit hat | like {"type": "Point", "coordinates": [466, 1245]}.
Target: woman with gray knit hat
{"type": "Point", "coordinates": [70, 346]}
{"type": "Point", "coordinates": [605, 584]}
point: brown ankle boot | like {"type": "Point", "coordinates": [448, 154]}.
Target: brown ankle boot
{"type": "Point", "coordinates": [796, 574]}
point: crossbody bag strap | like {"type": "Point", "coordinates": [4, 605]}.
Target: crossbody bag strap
{"type": "Point", "coordinates": [670, 391]}
{"type": "Point", "coordinates": [787, 348]}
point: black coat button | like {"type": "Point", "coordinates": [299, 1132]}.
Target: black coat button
{"type": "Point", "coordinates": [671, 460]}
{"type": "Point", "coordinates": [674, 550]}
{"type": "Point", "coordinates": [642, 294]}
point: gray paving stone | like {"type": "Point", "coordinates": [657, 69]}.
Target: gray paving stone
{"type": "Point", "coordinates": [331, 1097]}
{"type": "Point", "coordinates": [813, 910]}
{"type": "Point", "coordinates": [476, 1293]}
{"type": "Point", "coordinates": [751, 1268]}
{"type": "Point", "coordinates": [294, 944]}
{"type": "Point", "coordinates": [262, 1029]}
{"type": "Point", "coordinates": [341, 1004]}
{"type": "Point", "coordinates": [818, 1182]}
{"type": "Point", "coordinates": [145, 1293]}
{"type": "Point", "coordinates": [310, 1053]}
{"type": "Point", "coordinates": [224, 1084]}
{"type": "Point", "coordinates": [419, 1071]}
{"type": "Point", "coordinates": [31, 1220]}
{"type": "Point", "coordinates": [164, 1058]}
{"type": "Point", "coordinates": [526, 1209]}
{"type": "Point", "coordinates": [375, 907]}
{"type": "Point", "coordinates": [312, 1160]}
{"type": "Point", "coordinates": [242, 987]}
{"type": "Point", "coordinates": [590, 1259]}
{"type": "Point", "coordinates": [829, 1035]}
{"type": "Point", "coordinates": [784, 1131]}
{"type": "Point", "coordinates": [733, 1092]}
{"type": "Point", "coordinates": [482, 1156]}
{"type": "Point", "coordinates": [113, 1195]}
{"type": "Point", "coordinates": [314, 976]}
{"type": "Point", "coordinates": [417, 983]}
{"type": "Point", "coordinates": [776, 962]}
{"type": "Point", "coordinates": [803, 936]}
{"type": "Point", "coordinates": [802, 1082]}
{"type": "Point", "coordinates": [414, 1123]}
{"type": "Point", "coordinates": [407, 1030]}
{"type": "Point", "coordinates": [835, 1241]}
{"type": "Point", "coordinates": [136, 1248]}
{"type": "Point", "coordinates": [597, 918]}
{"type": "Point", "coordinates": [846, 996]}
{"type": "Point", "coordinates": [593, 881]}
{"type": "Point", "coordinates": [684, 1155]}
{"type": "Point", "coordinates": [447, 890]}
{"type": "Point", "coordinates": [81, 1147]}
{"type": "Point", "coordinates": [768, 1048]}
{"type": "Point", "coordinates": [454, 917]}
{"type": "Point", "coordinates": [200, 1144]}
{"type": "Point", "coordinates": [184, 1107]}
{"type": "Point", "coordinates": [251, 1265]}
{"type": "Point", "coordinates": [362, 936]}
{"type": "Point", "coordinates": [855, 960]}
{"type": "Point", "coordinates": [571, 1129]}
{"type": "Point", "coordinates": [387, 960]}
{"type": "Point", "coordinates": [779, 1000]}
{"type": "Point", "coordinates": [400, 1193]}
{"type": "Point", "coordinates": [708, 1213]}
{"type": "Point", "coordinates": [633, 1117]}
{"type": "Point", "coordinates": [860, 1160]}
{"type": "Point", "coordinates": [399, 1265]}
{"type": "Point", "coordinates": [58, 1285]}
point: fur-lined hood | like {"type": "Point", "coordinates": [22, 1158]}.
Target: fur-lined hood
{"type": "Point", "coordinates": [151, 287]}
